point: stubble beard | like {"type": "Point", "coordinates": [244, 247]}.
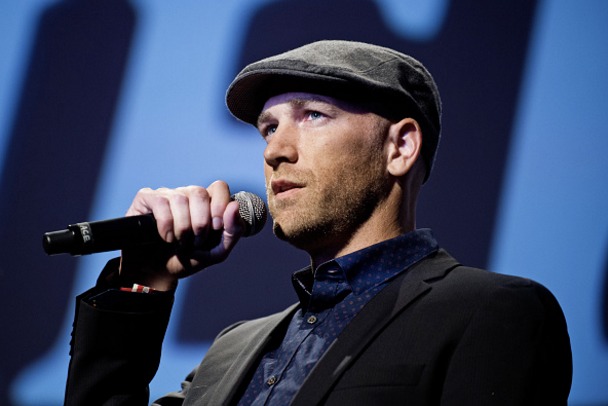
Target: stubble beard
{"type": "Point", "coordinates": [329, 213]}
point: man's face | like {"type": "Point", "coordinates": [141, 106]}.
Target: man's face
{"type": "Point", "coordinates": [325, 167]}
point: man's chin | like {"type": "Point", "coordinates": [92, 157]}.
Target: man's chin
{"type": "Point", "coordinates": [281, 233]}
{"type": "Point", "coordinates": [299, 238]}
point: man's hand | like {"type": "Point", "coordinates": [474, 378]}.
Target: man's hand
{"type": "Point", "coordinates": [185, 218]}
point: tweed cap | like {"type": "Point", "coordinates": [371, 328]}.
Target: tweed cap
{"type": "Point", "coordinates": [386, 82]}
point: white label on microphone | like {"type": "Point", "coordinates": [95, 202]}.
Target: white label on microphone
{"type": "Point", "coordinates": [86, 233]}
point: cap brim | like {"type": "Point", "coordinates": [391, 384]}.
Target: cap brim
{"type": "Point", "coordinates": [247, 95]}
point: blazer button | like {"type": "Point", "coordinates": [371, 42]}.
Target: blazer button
{"type": "Point", "coordinates": [311, 319]}
{"type": "Point", "coordinates": [271, 381]}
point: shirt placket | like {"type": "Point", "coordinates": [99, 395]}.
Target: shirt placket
{"type": "Point", "coordinates": [305, 326]}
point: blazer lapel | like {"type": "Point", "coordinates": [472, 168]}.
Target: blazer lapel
{"type": "Point", "coordinates": [222, 386]}
{"type": "Point", "coordinates": [366, 325]}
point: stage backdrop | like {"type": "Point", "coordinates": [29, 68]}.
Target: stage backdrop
{"type": "Point", "coordinates": [101, 98]}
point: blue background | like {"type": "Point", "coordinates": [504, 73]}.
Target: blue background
{"type": "Point", "coordinates": [101, 98]}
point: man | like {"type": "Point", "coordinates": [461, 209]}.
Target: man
{"type": "Point", "coordinates": [385, 316]}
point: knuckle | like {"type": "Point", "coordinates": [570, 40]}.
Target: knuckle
{"type": "Point", "coordinates": [143, 191]}
{"type": "Point", "coordinates": [219, 184]}
{"type": "Point", "coordinates": [198, 192]}
{"type": "Point", "coordinates": [177, 199]}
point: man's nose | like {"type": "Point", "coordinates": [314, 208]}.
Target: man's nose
{"type": "Point", "coordinates": [282, 146]}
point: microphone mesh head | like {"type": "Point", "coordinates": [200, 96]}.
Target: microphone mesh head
{"type": "Point", "coordinates": [252, 210]}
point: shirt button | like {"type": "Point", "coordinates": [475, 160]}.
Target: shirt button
{"type": "Point", "coordinates": [311, 319]}
{"type": "Point", "coordinates": [271, 381]}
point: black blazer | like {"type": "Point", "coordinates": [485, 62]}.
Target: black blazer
{"type": "Point", "coordinates": [440, 333]}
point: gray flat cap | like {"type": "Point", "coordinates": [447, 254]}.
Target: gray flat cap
{"type": "Point", "coordinates": [387, 82]}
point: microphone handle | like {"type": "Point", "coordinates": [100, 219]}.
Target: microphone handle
{"type": "Point", "coordinates": [137, 231]}
{"type": "Point", "coordinates": [109, 235]}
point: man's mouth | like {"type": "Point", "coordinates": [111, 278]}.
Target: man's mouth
{"type": "Point", "coordinates": [284, 187]}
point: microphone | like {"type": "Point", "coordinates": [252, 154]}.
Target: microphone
{"type": "Point", "coordinates": [132, 231]}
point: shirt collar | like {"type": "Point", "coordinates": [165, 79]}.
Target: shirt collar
{"type": "Point", "coordinates": [362, 270]}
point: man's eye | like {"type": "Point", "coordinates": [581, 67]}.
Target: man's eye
{"type": "Point", "coordinates": [269, 130]}
{"type": "Point", "coordinates": [314, 115]}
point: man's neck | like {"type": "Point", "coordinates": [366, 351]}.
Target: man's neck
{"type": "Point", "coordinates": [375, 230]}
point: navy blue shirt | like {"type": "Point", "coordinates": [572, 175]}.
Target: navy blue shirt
{"type": "Point", "coordinates": [329, 299]}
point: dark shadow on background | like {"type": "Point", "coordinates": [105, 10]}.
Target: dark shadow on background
{"type": "Point", "coordinates": [477, 60]}
{"type": "Point", "coordinates": [57, 144]}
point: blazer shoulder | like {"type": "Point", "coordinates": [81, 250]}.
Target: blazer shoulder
{"type": "Point", "coordinates": [481, 281]}
{"type": "Point", "coordinates": [441, 270]}
{"type": "Point", "coordinates": [497, 295]}
{"type": "Point", "coordinates": [469, 287]}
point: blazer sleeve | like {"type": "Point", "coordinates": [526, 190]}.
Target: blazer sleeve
{"type": "Point", "coordinates": [515, 351]}
{"type": "Point", "coordinates": [116, 344]}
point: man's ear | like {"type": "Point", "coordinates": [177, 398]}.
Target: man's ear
{"type": "Point", "coordinates": [404, 146]}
